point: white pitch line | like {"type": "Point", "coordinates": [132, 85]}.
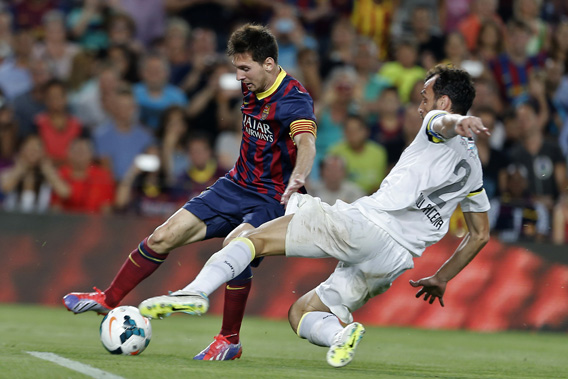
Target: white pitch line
{"type": "Point", "coordinates": [73, 365]}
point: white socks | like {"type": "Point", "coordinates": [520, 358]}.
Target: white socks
{"type": "Point", "coordinates": [320, 328]}
{"type": "Point", "coordinates": [223, 266]}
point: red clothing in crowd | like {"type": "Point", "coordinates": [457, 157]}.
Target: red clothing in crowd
{"type": "Point", "coordinates": [88, 194]}
{"type": "Point", "coordinates": [57, 142]}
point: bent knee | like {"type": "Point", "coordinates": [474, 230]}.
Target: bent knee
{"type": "Point", "coordinates": [162, 240]}
{"type": "Point", "coordinates": [257, 242]}
{"type": "Point", "coordinates": [295, 314]}
{"type": "Point", "coordinates": [309, 302]}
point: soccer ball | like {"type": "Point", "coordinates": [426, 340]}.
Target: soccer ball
{"type": "Point", "coordinates": [125, 331]}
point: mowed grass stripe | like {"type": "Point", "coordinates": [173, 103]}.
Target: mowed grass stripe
{"type": "Point", "coordinates": [272, 350]}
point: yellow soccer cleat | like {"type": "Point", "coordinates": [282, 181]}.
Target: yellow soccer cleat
{"type": "Point", "coordinates": [343, 349]}
{"type": "Point", "coordinates": [185, 302]}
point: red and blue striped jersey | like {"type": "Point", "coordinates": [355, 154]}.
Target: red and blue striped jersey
{"type": "Point", "coordinates": [271, 119]}
{"type": "Point", "coordinates": [512, 78]}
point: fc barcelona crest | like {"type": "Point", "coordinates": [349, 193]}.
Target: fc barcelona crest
{"type": "Point", "coordinates": [265, 112]}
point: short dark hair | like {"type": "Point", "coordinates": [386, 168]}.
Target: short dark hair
{"type": "Point", "coordinates": [454, 83]}
{"type": "Point", "coordinates": [256, 40]}
{"type": "Point", "coordinates": [55, 83]}
{"type": "Point", "coordinates": [517, 23]}
{"type": "Point", "coordinates": [357, 117]}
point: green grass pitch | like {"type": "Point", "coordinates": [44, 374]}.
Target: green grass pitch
{"type": "Point", "coordinates": [271, 350]}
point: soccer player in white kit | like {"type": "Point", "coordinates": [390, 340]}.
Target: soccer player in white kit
{"type": "Point", "coordinates": [376, 237]}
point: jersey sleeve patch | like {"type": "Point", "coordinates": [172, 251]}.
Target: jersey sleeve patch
{"type": "Point", "coordinates": [432, 135]}
{"type": "Point", "coordinates": [303, 126]}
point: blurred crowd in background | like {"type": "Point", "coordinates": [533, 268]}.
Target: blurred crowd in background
{"type": "Point", "coordinates": [132, 106]}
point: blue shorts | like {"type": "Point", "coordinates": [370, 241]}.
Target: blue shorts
{"type": "Point", "coordinates": [225, 205]}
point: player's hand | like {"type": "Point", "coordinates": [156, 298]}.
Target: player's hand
{"type": "Point", "coordinates": [432, 289]}
{"type": "Point", "coordinates": [295, 183]}
{"type": "Point", "coordinates": [467, 126]}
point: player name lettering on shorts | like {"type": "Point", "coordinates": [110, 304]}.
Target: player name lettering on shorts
{"type": "Point", "coordinates": [257, 129]}
{"type": "Point", "coordinates": [430, 211]}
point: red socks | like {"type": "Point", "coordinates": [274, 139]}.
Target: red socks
{"type": "Point", "coordinates": [141, 262]}
{"type": "Point", "coordinates": [236, 296]}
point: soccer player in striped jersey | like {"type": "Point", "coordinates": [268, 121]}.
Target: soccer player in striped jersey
{"type": "Point", "coordinates": [376, 237]}
{"type": "Point", "coordinates": [276, 156]}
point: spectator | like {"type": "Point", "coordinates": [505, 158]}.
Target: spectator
{"type": "Point", "coordinates": [490, 41]}
{"type": "Point", "coordinates": [87, 24]}
{"type": "Point", "coordinates": [8, 134]}
{"type": "Point", "coordinates": [402, 20]}
{"type": "Point", "coordinates": [118, 142]}
{"type": "Point", "coordinates": [455, 50]}
{"type": "Point", "coordinates": [145, 190]}
{"type": "Point", "coordinates": [203, 170]}
{"type": "Point", "coordinates": [218, 15]}
{"type": "Point", "coordinates": [416, 93]}
{"type": "Point", "coordinates": [203, 57]}
{"type": "Point", "coordinates": [93, 102]}
{"type": "Point", "coordinates": [511, 69]}
{"type": "Point", "coordinates": [154, 94]}
{"type": "Point", "coordinates": [290, 35]}
{"type": "Point", "coordinates": [55, 49]}
{"type": "Point", "coordinates": [481, 12]}
{"type": "Point", "coordinates": [332, 112]}
{"type": "Point", "coordinates": [542, 158]}
{"type": "Point", "coordinates": [6, 26]}
{"type": "Point", "coordinates": [516, 217]}
{"type": "Point", "coordinates": [554, 83]}
{"type": "Point", "coordinates": [373, 19]}
{"type": "Point", "coordinates": [428, 36]}
{"type": "Point", "coordinates": [56, 127]}
{"type": "Point", "coordinates": [121, 31]}
{"type": "Point", "coordinates": [83, 68]}
{"type": "Point", "coordinates": [366, 160]}
{"type": "Point", "coordinates": [370, 85]}
{"type": "Point", "coordinates": [333, 184]}
{"type": "Point", "coordinates": [454, 11]}
{"type": "Point", "coordinates": [28, 15]}
{"type": "Point", "coordinates": [493, 161]}
{"type": "Point", "coordinates": [487, 96]}
{"type": "Point", "coordinates": [559, 44]}
{"type": "Point", "coordinates": [388, 130]}
{"type": "Point", "coordinates": [29, 104]}
{"type": "Point", "coordinates": [28, 184]}
{"type": "Point", "coordinates": [172, 134]}
{"type": "Point", "coordinates": [149, 18]}
{"type": "Point", "coordinates": [228, 142]}
{"type": "Point", "coordinates": [528, 11]}
{"type": "Point", "coordinates": [209, 105]}
{"type": "Point", "coordinates": [309, 72]}
{"type": "Point", "coordinates": [411, 123]}
{"type": "Point", "coordinates": [176, 45]}
{"type": "Point", "coordinates": [404, 71]}
{"type": "Point", "coordinates": [124, 60]}
{"type": "Point", "coordinates": [90, 186]}
{"type": "Point", "coordinates": [15, 78]}
{"type": "Point", "coordinates": [340, 51]}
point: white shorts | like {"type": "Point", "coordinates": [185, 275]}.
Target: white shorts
{"type": "Point", "coordinates": [370, 260]}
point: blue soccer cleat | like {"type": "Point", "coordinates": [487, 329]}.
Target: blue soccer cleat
{"type": "Point", "coordinates": [220, 350]}
{"type": "Point", "coordinates": [80, 302]}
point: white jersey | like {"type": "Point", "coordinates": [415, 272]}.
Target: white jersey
{"type": "Point", "coordinates": [416, 200]}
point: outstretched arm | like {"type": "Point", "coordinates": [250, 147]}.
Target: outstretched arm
{"type": "Point", "coordinates": [433, 287]}
{"type": "Point", "coordinates": [451, 125]}
{"type": "Point", "coordinates": [306, 143]}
